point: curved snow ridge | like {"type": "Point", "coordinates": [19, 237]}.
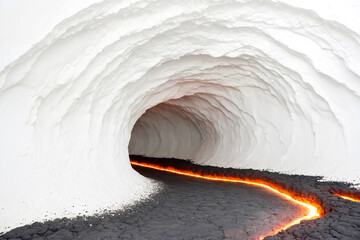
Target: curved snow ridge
{"type": "Point", "coordinates": [255, 84]}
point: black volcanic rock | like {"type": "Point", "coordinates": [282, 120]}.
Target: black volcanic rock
{"type": "Point", "coordinates": [190, 208]}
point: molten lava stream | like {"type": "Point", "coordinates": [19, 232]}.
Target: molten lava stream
{"type": "Point", "coordinates": [347, 197]}
{"type": "Point", "coordinates": [313, 209]}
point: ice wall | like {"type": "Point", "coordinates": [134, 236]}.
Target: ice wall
{"type": "Point", "coordinates": [257, 84]}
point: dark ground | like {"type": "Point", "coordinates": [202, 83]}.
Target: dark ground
{"type": "Point", "coordinates": [189, 208]}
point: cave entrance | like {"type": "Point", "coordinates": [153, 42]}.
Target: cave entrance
{"type": "Point", "coordinates": [170, 129]}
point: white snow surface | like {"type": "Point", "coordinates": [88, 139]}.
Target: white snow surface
{"type": "Point", "coordinates": [245, 84]}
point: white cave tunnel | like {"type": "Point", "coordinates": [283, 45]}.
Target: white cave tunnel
{"type": "Point", "coordinates": [244, 84]}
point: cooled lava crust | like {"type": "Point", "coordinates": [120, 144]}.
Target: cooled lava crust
{"type": "Point", "coordinates": [340, 217]}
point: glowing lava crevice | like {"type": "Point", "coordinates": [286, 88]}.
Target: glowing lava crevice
{"type": "Point", "coordinates": [347, 197]}
{"type": "Point", "coordinates": [314, 210]}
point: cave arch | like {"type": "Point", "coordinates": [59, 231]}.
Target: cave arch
{"type": "Point", "coordinates": [281, 75]}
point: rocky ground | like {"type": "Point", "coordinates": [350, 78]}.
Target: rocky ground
{"type": "Point", "coordinates": [190, 208]}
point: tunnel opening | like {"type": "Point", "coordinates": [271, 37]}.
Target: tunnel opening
{"type": "Point", "coordinates": [169, 130]}
{"type": "Point", "coordinates": [210, 126]}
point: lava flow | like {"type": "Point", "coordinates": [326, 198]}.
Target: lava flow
{"type": "Point", "coordinates": [347, 197]}
{"type": "Point", "coordinates": [313, 208]}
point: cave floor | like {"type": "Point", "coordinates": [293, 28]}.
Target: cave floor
{"type": "Point", "coordinates": [187, 208]}
{"type": "Point", "coordinates": [191, 208]}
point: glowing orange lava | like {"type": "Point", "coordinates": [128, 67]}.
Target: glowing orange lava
{"type": "Point", "coordinates": [347, 197]}
{"type": "Point", "coordinates": [313, 208]}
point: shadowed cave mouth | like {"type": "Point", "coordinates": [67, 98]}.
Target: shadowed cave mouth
{"type": "Point", "coordinates": [173, 129]}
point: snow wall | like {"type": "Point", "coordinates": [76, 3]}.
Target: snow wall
{"type": "Point", "coordinates": [246, 84]}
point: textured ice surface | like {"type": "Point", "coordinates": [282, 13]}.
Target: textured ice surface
{"type": "Point", "coordinates": [257, 84]}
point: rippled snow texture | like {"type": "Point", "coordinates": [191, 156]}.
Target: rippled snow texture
{"type": "Point", "coordinates": [246, 84]}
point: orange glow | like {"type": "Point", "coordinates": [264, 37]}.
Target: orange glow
{"type": "Point", "coordinates": [347, 197]}
{"type": "Point", "coordinates": [313, 208]}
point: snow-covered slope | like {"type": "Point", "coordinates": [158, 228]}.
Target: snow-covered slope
{"type": "Point", "coordinates": [249, 83]}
